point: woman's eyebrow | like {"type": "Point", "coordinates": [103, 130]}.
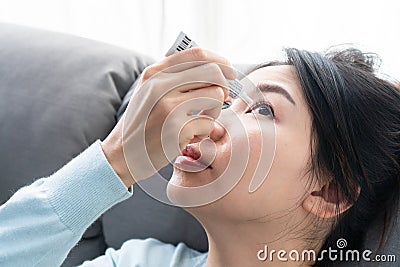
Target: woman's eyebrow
{"type": "Point", "coordinates": [273, 88]}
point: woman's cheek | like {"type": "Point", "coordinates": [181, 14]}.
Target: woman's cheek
{"type": "Point", "coordinates": [248, 147]}
{"type": "Point", "coordinates": [292, 155]}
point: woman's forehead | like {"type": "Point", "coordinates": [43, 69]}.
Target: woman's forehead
{"type": "Point", "coordinates": [280, 73]}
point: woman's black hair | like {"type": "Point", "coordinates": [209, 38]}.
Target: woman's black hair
{"type": "Point", "coordinates": [355, 138]}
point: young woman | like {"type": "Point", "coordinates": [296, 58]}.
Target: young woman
{"type": "Point", "coordinates": [335, 166]}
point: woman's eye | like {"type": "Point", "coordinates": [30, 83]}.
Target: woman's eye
{"type": "Point", "coordinates": [263, 109]}
{"type": "Point", "coordinates": [226, 105]}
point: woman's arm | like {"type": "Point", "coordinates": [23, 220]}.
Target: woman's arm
{"type": "Point", "coordinates": [42, 222]}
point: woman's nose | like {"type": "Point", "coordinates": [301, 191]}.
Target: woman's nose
{"type": "Point", "coordinates": [217, 132]}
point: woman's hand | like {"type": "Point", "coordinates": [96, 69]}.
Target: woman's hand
{"type": "Point", "coordinates": [159, 120]}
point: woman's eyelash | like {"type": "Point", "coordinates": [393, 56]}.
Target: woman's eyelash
{"type": "Point", "coordinates": [226, 105]}
{"type": "Point", "coordinates": [264, 108]}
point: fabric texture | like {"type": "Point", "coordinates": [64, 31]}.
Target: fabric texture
{"type": "Point", "coordinates": [40, 223]}
{"type": "Point", "coordinates": [149, 253]}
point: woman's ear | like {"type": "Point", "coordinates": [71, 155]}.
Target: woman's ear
{"type": "Point", "coordinates": [327, 202]}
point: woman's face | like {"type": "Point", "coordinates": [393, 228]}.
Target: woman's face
{"type": "Point", "coordinates": [281, 140]}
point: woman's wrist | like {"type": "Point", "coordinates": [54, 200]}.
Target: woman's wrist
{"type": "Point", "coordinates": [112, 148]}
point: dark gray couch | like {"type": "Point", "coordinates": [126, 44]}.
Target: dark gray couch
{"type": "Point", "coordinates": [60, 93]}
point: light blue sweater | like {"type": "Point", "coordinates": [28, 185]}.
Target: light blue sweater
{"type": "Point", "coordinates": [42, 222]}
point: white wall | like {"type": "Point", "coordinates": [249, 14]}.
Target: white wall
{"type": "Point", "coordinates": [242, 30]}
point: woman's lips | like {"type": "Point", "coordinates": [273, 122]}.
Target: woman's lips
{"type": "Point", "coordinates": [190, 160]}
{"type": "Point", "coordinates": [191, 151]}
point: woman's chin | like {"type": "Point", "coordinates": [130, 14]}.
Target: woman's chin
{"type": "Point", "coordinates": [186, 189]}
{"type": "Point", "coordinates": [186, 178]}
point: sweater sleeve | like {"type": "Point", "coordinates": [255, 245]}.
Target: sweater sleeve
{"type": "Point", "coordinates": [42, 222]}
{"type": "Point", "coordinates": [149, 253]}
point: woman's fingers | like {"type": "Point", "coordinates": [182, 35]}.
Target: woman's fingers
{"type": "Point", "coordinates": [198, 126]}
{"type": "Point", "coordinates": [182, 124]}
{"type": "Point", "coordinates": [161, 116]}
{"type": "Point", "coordinates": [193, 79]}
{"type": "Point", "coordinates": [190, 58]}
{"type": "Point", "coordinates": [209, 100]}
